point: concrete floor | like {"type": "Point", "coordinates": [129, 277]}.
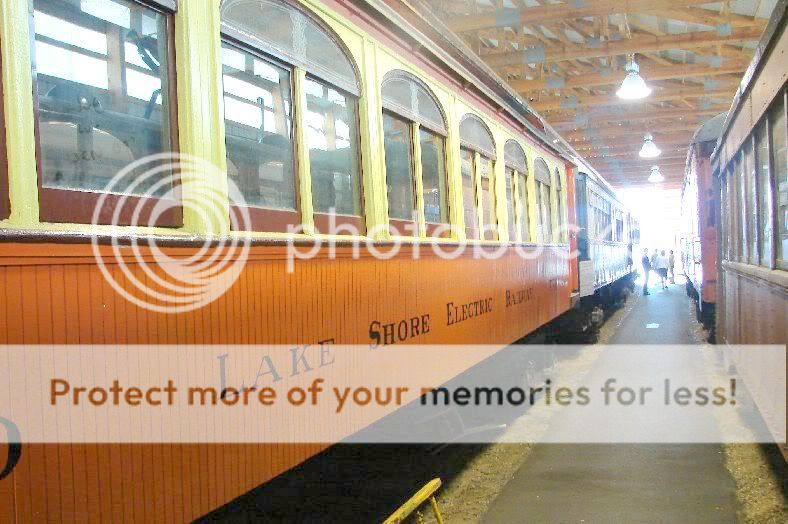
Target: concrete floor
{"type": "Point", "coordinates": [654, 483]}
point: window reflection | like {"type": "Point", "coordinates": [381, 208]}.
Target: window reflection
{"type": "Point", "coordinates": [399, 167]}
{"type": "Point", "coordinates": [333, 154]}
{"type": "Point", "coordinates": [510, 205]}
{"type": "Point", "coordinates": [101, 78]}
{"type": "Point", "coordinates": [433, 175]}
{"type": "Point", "coordinates": [488, 207]}
{"type": "Point", "coordinates": [522, 190]}
{"type": "Point", "coordinates": [469, 194]}
{"type": "Point", "coordinates": [258, 123]}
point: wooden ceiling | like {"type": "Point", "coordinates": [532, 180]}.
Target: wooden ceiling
{"type": "Point", "coordinates": [567, 60]}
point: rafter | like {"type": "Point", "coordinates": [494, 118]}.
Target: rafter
{"type": "Point", "coordinates": [649, 73]}
{"type": "Point", "coordinates": [639, 44]}
{"type": "Point", "coordinates": [644, 114]}
{"type": "Point", "coordinates": [547, 13]}
{"type": "Point", "coordinates": [710, 18]}
{"type": "Point", "coordinates": [556, 103]}
{"type": "Point", "coordinates": [640, 129]}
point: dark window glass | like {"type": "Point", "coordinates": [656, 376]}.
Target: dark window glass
{"type": "Point", "coordinates": [333, 149]}
{"type": "Point", "coordinates": [102, 85]}
{"type": "Point", "coordinates": [469, 194]}
{"type": "Point", "coordinates": [764, 194]}
{"type": "Point", "coordinates": [779, 147]}
{"type": "Point", "coordinates": [433, 176]}
{"type": "Point", "coordinates": [487, 199]}
{"type": "Point", "coordinates": [259, 129]}
{"type": "Point", "coordinates": [510, 205]}
{"type": "Point", "coordinates": [399, 168]}
{"type": "Point", "coordinates": [751, 207]}
{"type": "Point", "coordinates": [522, 202]}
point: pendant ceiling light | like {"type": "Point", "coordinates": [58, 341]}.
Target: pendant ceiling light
{"type": "Point", "coordinates": [633, 87]}
{"type": "Point", "coordinates": [649, 149]}
{"type": "Point", "coordinates": [655, 177]}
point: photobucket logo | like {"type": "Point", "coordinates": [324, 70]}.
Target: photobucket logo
{"type": "Point", "coordinates": [145, 270]}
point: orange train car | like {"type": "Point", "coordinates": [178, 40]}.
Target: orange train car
{"type": "Point", "coordinates": [698, 232]}
{"type": "Point", "coordinates": [330, 125]}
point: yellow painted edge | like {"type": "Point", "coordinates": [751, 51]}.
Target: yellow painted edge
{"type": "Point", "coordinates": [200, 118]}
{"type": "Point", "coordinates": [19, 116]}
{"type": "Point", "coordinates": [302, 153]}
{"type": "Point", "coordinates": [419, 182]}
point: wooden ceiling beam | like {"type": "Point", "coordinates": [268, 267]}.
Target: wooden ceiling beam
{"type": "Point", "coordinates": [649, 73]}
{"type": "Point", "coordinates": [612, 132]}
{"type": "Point", "coordinates": [639, 44]}
{"type": "Point", "coordinates": [699, 15]}
{"type": "Point", "coordinates": [633, 116]}
{"type": "Point", "coordinates": [513, 17]}
{"type": "Point", "coordinates": [556, 103]}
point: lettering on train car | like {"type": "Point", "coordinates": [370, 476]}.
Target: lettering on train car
{"type": "Point", "coordinates": [518, 296]}
{"type": "Point", "coordinates": [386, 334]}
{"type": "Point", "coordinates": [300, 359]}
{"type": "Point", "coordinates": [14, 447]}
{"type": "Point", "coordinates": [460, 313]}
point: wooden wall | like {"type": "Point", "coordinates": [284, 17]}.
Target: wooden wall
{"type": "Point", "coordinates": [56, 294]}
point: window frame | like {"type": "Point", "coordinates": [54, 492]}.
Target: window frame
{"type": "Point", "coordinates": [261, 217]}
{"type": "Point", "coordinates": [416, 123]}
{"type": "Point", "coordinates": [77, 206]}
{"type": "Point", "coordinates": [399, 224]}
{"type": "Point", "coordinates": [477, 153]}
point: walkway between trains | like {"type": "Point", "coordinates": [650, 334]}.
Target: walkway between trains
{"type": "Point", "coordinates": [632, 482]}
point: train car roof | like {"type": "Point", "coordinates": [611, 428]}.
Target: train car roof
{"type": "Point", "coordinates": [710, 130]}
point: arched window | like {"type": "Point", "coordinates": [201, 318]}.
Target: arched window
{"type": "Point", "coordinates": [290, 87]}
{"type": "Point", "coordinates": [477, 153]}
{"type": "Point", "coordinates": [544, 209]}
{"type": "Point", "coordinates": [516, 191]}
{"type": "Point", "coordinates": [414, 136]}
{"type": "Point", "coordinates": [103, 82]}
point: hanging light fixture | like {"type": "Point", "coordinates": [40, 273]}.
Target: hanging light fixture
{"type": "Point", "coordinates": [655, 177]}
{"type": "Point", "coordinates": [649, 149]}
{"type": "Point", "coordinates": [633, 87]}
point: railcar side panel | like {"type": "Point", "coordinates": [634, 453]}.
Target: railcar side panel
{"type": "Point", "coordinates": [57, 294]}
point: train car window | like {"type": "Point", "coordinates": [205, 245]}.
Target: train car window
{"type": "Point", "coordinates": [268, 46]}
{"type": "Point", "coordinates": [5, 205]}
{"type": "Point", "coordinates": [411, 103]}
{"type": "Point", "coordinates": [516, 203]}
{"type": "Point", "coordinates": [476, 142]}
{"type": "Point", "coordinates": [476, 136]}
{"type": "Point", "coordinates": [433, 177]}
{"type": "Point", "coordinates": [752, 202]}
{"type": "Point", "coordinates": [332, 135]}
{"type": "Point", "coordinates": [399, 172]}
{"type": "Point", "coordinates": [764, 195]}
{"type": "Point", "coordinates": [103, 87]}
{"type": "Point", "coordinates": [779, 149]}
{"type": "Point", "coordinates": [522, 192]}
{"type": "Point", "coordinates": [259, 137]}
{"type": "Point", "coordinates": [741, 209]}
{"type": "Point", "coordinates": [543, 207]}
{"type": "Point", "coordinates": [560, 197]}
{"type": "Point", "coordinates": [724, 216]}
{"type": "Point", "coordinates": [469, 193]}
{"type": "Point", "coordinates": [510, 203]}
{"type": "Point", "coordinates": [487, 199]}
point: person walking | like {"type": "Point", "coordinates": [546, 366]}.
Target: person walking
{"type": "Point", "coordinates": [672, 266]}
{"type": "Point", "coordinates": [662, 268]}
{"type": "Point", "coordinates": [646, 261]}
